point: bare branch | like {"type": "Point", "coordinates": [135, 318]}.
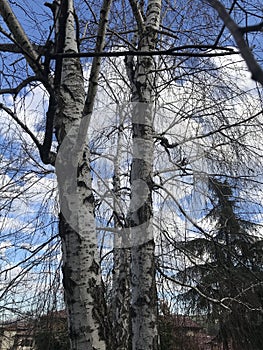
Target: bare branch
{"type": "Point", "coordinates": [14, 48]}
{"type": "Point", "coordinates": [48, 159]}
{"type": "Point", "coordinates": [95, 68]}
{"type": "Point", "coordinates": [174, 280]}
{"type": "Point", "coordinates": [215, 301]}
{"type": "Point", "coordinates": [15, 91]}
{"type": "Point", "coordinates": [137, 14]}
{"type": "Point", "coordinates": [19, 36]}
{"type": "Point", "coordinates": [169, 52]}
{"type": "Point", "coordinates": [237, 33]}
{"type": "Point", "coordinates": [168, 33]}
{"type": "Point", "coordinates": [255, 28]}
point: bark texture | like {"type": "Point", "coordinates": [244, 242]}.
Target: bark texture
{"type": "Point", "coordinates": [81, 269]}
{"type": "Point", "coordinates": [144, 299]}
{"type": "Point", "coordinates": [120, 304]}
{"type": "Point", "coordinates": [144, 296]}
{"type": "Point", "coordinates": [121, 299]}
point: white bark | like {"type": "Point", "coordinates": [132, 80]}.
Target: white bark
{"type": "Point", "coordinates": [144, 302]}
{"type": "Point", "coordinates": [120, 304]}
{"type": "Point", "coordinates": [81, 269]}
{"type": "Point", "coordinates": [144, 298]}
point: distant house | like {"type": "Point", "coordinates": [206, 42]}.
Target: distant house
{"type": "Point", "coordinates": [16, 336]}
{"type": "Point", "coordinates": [47, 332]}
{"type": "Point", "coordinates": [180, 332]}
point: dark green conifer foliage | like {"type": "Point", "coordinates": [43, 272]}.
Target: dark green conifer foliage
{"type": "Point", "coordinates": [52, 332]}
{"type": "Point", "coordinates": [228, 268]}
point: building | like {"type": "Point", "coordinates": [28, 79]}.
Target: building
{"type": "Point", "coordinates": [180, 332]}
{"type": "Point", "coordinates": [48, 332]}
{"type": "Point", "coordinates": [16, 336]}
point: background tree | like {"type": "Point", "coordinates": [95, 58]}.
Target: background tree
{"type": "Point", "coordinates": [228, 268]}
{"type": "Point", "coordinates": [51, 332]}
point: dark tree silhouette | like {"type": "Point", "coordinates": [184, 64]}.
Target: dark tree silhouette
{"type": "Point", "coordinates": [228, 268]}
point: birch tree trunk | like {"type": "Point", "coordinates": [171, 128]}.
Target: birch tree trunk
{"type": "Point", "coordinates": [144, 296]}
{"type": "Point", "coordinates": [81, 269]}
{"type": "Point", "coordinates": [69, 113]}
{"type": "Point", "coordinates": [121, 255]}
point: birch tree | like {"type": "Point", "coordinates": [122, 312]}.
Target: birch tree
{"type": "Point", "coordinates": [141, 73]}
{"type": "Point", "coordinates": [203, 115]}
{"type": "Point", "coordinates": [121, 286]}
{"type": "Point", "coordinates": [81, 269]}
{"type": "Point", "coordinates": [68, 111]}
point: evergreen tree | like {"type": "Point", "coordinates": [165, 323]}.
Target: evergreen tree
{"type": "Point", "coordinates": [228, 269]}
{"type": "Point", "coordinates": [51, 332]}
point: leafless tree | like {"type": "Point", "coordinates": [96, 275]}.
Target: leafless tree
{"type": "Point", "coordinates": [188, 117]}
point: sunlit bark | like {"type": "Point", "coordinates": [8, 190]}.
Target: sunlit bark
{"type": "Point", "coordinates": [81, 268]}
